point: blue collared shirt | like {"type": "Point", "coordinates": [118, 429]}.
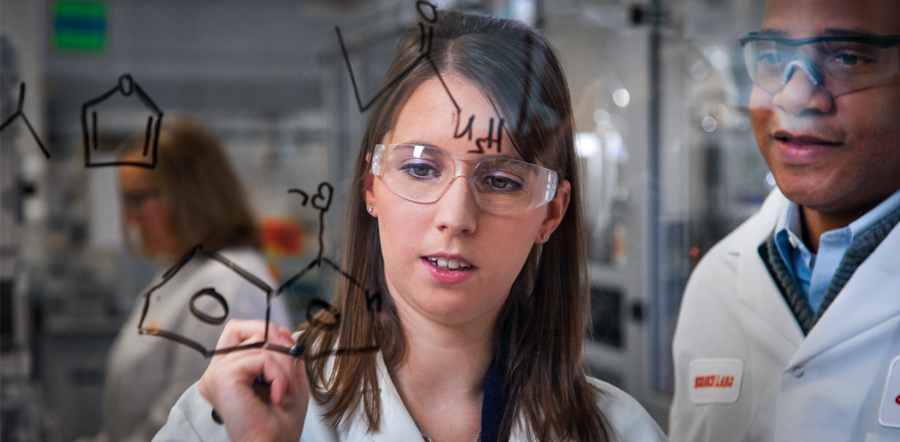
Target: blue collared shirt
{"type": "Point", "coordinates": [813, 272]}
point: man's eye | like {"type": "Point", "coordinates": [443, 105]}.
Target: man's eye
{"type": "Point", "coordinates": [848, 59]}
{"type": "Point", "coordinates": [772, 58]}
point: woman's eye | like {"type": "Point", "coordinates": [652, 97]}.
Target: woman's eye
{"type": "Point", "coordinates": [419, 170]}
{"type": "Point", "coordinates": [499, 182]}
{"type": "Point", "coordinates": [505, 184]}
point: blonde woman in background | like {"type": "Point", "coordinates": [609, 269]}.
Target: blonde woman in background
{"type": "Point", "coordinates": [193, 196]}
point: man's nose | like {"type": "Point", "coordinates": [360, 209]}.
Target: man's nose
{"type": "Point", "coordinates": [457, 209]}
{"type": "Point", "coordinates": [802, 90]}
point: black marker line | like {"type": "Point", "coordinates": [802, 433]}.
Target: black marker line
{"type": "Point", "coordinates": [325, 192]}
{"type": "Point", "coordinates": [20, 101]}
{"type": "Point", "coordinates": [212, 320]}
{"type": "Point", "coordinates": [127, 87]}
{"type": "Point", "coordinates": [94, 129]}
{"type": "Point", "coordinates": [382, 90]}
{"type": "Point", "coordinates": [9, 119]}
{"type": "Point", "coordinates": [425, 44]}
{"type": "Point", "coordinates": [147, 134]}
{"type": "Point", "coordinates": [301, 193]}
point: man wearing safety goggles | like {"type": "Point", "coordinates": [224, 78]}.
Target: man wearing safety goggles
{"type": "Point", "coordinates": [790, 327]}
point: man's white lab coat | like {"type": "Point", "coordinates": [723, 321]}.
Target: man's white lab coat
{"type": "Point", "coordinates": [745, 372]}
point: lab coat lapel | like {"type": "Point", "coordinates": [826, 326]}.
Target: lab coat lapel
{"type": "Point", "coordinates": [755, 286]}
{"type": "Point", "coordinates": [870, 297]}
{"type": "Point", "coordinates": [396, 423]}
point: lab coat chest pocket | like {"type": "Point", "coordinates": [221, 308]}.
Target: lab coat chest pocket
{"type": "Point", "coordinates": [889, 411]}
{"type": "Point", "coordinates": [716, 380]}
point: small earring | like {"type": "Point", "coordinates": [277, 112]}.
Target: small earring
{"type": "Point", "coordinates": [370, 209]}
{"type": "Point", "coordinates": [544, 237]}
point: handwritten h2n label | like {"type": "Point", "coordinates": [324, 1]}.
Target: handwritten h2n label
{"type": "Point", "coordinates": [716, 380]}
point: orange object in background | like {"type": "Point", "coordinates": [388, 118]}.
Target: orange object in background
{"type": "Point", "coordinates": [282, 236]}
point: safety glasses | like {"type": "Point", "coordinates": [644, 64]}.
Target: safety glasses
{"type": "Point", "coordinates": [502, 186]}
{"type": "Point", "coordinates": [839, 64]}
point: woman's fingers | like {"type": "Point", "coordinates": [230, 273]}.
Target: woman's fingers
{"type": "Point", "coordinates": [238, 330]}
{"type": "Point", "coordinates": [229, 387]}
{"type": "Point", "coordinates": [230, 383]}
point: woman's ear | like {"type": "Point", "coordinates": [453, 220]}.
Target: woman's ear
{"type": "Point", "coordinates": [369, 193]}
{"type": "Point", "coordinates": [556, 209]}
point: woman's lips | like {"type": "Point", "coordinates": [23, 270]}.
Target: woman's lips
{"type": "Point", "coordinates": [448, 270]}
{"type": "Point", "coordinates": [802, 149]}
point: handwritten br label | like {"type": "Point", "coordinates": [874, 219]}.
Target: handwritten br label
{"type": "Point", "coordinates": [716, 380]}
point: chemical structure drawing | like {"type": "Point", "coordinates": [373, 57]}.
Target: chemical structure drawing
{"type": "Point", "coordinates": [20, 113]}
{"type": "Point", "coordinates": [321, 201]}
{"type": "Point", "coordinates": [426, 37]}
{"type": "Point", "coordinates": [199, 252]}
{"type": "Point", "coordinates": [125, 86]}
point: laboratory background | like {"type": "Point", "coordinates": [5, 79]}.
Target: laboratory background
{"type": "Point", "coordinates": [663, 134]}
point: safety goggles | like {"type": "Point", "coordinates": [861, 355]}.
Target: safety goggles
{"type": "Point", "coordinates": [840, 64]}
{"type": "Point", "coordinates": [134, 201]}
{"type": "Point", "coordinates": [502, 186]}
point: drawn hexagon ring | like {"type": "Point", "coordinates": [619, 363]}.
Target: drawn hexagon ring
{"type": "Point", "coordinates": [212, 320]}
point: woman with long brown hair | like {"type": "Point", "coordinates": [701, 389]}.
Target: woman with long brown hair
{"type": "Point", "coordinates": [465, 213]}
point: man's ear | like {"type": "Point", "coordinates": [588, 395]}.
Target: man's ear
{"type": "Point", "coordinates": [369, 194]}
{"type": "Point", "coordinates": [556, 210]}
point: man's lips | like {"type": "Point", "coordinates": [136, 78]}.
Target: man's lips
{"type": "Point", "coordinates": [800, 149]}
{"type": "Point", "coordinates": [803, 139]}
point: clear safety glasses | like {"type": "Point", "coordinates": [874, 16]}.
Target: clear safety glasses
{"type": "Point", "coordinates": [502, 186]}
{"type": "Point", "coordinates": [839, 64]}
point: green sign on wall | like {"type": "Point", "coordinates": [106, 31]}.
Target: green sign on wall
{"type": "Point", "coordinates": [79, 25]}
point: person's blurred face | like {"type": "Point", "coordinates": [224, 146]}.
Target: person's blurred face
{"type": "Point", "coordinates": [837, 155]}
{"type": "Point", "coordinates": [145, 210]}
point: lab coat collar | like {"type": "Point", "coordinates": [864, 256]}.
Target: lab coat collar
{"type": "Point", "coordinates": [755, 286]}
{"type": "Point", "coordinates": [867, 300]}
{"type": "Point", "coordinates": [396, 423]}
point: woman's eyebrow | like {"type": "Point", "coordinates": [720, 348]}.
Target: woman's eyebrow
{"type": "Point", "coordinates": [419, 143]}
{"type": "Point", "coordinates": [510, 155]}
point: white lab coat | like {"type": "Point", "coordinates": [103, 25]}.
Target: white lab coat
{"type": "Point", "coordinates": [828, 386]}
{"type": "Point", "coordinates": [190, 419]}
{"type": "Point", "coordinates": [145, 375]}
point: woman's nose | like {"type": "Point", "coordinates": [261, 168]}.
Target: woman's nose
{"type": "Point", "coordinates": [457, 209]}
